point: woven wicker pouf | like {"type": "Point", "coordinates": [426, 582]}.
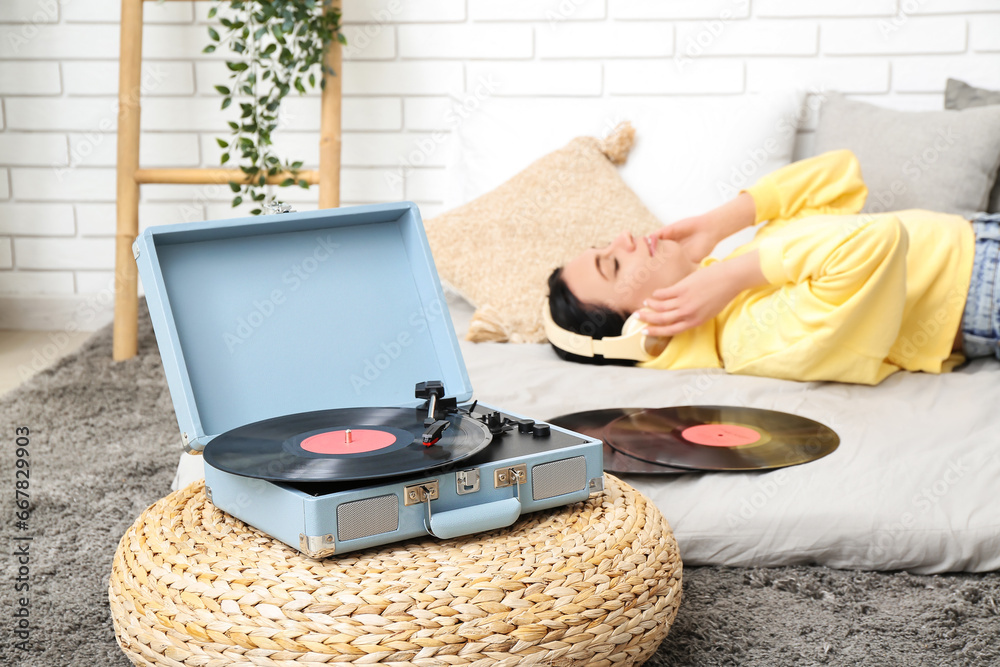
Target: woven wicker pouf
{"type": "Point", "coordinates": [594, 583]}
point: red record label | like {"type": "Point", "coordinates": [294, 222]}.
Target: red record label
{"type": "Point", "coordinates": [348, 441]}
{"type": "Point", "coordinates": [720, 435]}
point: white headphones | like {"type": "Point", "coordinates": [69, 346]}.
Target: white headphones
{"type": "Point", "coordinates": [631, 344]}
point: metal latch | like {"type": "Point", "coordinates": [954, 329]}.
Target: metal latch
{"type": "Point", "coordinates": [467, 481]}
{"type": "Point", "coordinates": [504, 477]}
{"type": "Point", "coordinates": [421, 493]}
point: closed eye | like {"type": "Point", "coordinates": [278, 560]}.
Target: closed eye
{"type": "Point", "coordinates": [616, 266]}
{"type": "Point", "coordinates": [597, 265]}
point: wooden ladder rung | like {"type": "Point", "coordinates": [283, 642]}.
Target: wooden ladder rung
{"type": "Point", "coordinates": [215, 176]}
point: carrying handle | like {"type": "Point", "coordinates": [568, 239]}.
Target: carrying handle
{"type": "Point", "coordinates": [474, 519]}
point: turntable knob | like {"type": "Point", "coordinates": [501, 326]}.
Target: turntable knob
{"type": "Point", "coordinates": [524, 425]}
{"type": "Point", "coordinates": [541, 431]}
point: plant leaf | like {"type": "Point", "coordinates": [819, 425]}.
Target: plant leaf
{"type": "Point", "coordinates": [274, 46]}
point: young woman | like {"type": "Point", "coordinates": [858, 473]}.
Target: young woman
{"type": "Point", "coordinates": [821, 293]}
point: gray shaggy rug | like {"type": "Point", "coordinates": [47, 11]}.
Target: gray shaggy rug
{"type": "Point", "coordinates": [104, 445]}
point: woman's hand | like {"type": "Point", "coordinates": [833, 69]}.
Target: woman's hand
{"type": "Point", "coordinates": [699, 234]}
{"type": "Point", "coordinates": [695, 236]}
{"type": "Point", "coordinates": [688, 303]}
{"type": "Point", "coordinates": [700, 296]}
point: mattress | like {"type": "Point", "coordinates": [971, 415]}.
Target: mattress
{"type": "Point", "coordinates": [913, 485]}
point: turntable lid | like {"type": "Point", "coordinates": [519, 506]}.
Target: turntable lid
{"type": "Point", "coordinates": [273, 315]}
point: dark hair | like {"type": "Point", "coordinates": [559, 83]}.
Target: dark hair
{"type": "Point", "coordinates": [583, 318]}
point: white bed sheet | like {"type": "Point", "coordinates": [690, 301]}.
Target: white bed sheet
{"type": "Point", "coordinates": [913, 485]}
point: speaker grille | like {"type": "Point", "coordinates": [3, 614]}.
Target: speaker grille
{"type": "Point", "coordinates": [549, 480]}
{"type": "Point", "coordinates": [364, 518]}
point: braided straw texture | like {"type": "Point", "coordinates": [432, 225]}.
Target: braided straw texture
{"type": "Point", "coordinates": [595, 583]}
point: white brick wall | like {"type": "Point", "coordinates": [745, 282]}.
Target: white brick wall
{"type": "Point", "coordinates": [536, 10]}
{"type": "Point", "coordinates": [643, 10]}
{"type": "Point", "coordinates": [409, 66]}
{"type": "Point", "coordinates": [985, 33]}
{"type": "Point", "coordinates": [898, 35]}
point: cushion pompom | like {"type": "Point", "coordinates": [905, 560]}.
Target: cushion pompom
{"type": "Point", "coordinates": [618, 143]}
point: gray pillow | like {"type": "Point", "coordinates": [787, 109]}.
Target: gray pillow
{"type": "Point", "coordinates": [938, 160]}
{"type": "Point", "coordinates": [960, 95]}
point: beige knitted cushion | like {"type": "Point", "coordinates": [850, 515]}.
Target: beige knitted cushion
{"type": "Point", "coordinates": [498, 250]}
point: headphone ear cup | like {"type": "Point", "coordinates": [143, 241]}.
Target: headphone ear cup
{"type": "Point", "coordinates": [652, 345]}
{"type": "Point", "coordinates": [633, 324]}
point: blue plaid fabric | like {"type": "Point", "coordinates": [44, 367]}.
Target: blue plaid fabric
{"type": "Point", "coordinates": [981, 319]}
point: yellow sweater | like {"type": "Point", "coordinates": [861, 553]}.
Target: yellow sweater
{"type": "Point", "coordinates": [851, 297]}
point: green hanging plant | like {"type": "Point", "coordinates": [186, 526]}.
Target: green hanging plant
{"type": "Point", "coordinates": [279, 45]}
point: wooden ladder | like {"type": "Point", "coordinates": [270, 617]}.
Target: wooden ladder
{"type": "Point", "coordinates": [131, 176]}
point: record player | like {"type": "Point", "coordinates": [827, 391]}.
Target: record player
{"type": "Point", "coordinates": [311, 358]}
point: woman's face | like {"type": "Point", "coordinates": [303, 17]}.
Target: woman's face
{"type": "Point", "coordinates": [627, 271]}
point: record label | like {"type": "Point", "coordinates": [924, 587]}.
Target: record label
{"type": "Point", "coordinates": [349, 441]}
{"type": "Point", "coordinates": [721, 435]}
{"type": "Point", "coordinates": [323, 444]}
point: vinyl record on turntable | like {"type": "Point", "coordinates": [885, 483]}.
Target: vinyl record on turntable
{"type": "Point", "coordinates": [704, 437]}
{"type": "Point", "coordinates": [344, 444]}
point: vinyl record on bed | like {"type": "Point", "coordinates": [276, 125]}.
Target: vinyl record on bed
{"type": "Point", "coordinates": [344, 444]}
{"type": "Point", "coordinates": [594, 423]}
{"type": "Point", "coordinates": [714, 437]}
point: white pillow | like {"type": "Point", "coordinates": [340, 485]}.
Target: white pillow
{"type": "Point", "coordinates": [691, 153]}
